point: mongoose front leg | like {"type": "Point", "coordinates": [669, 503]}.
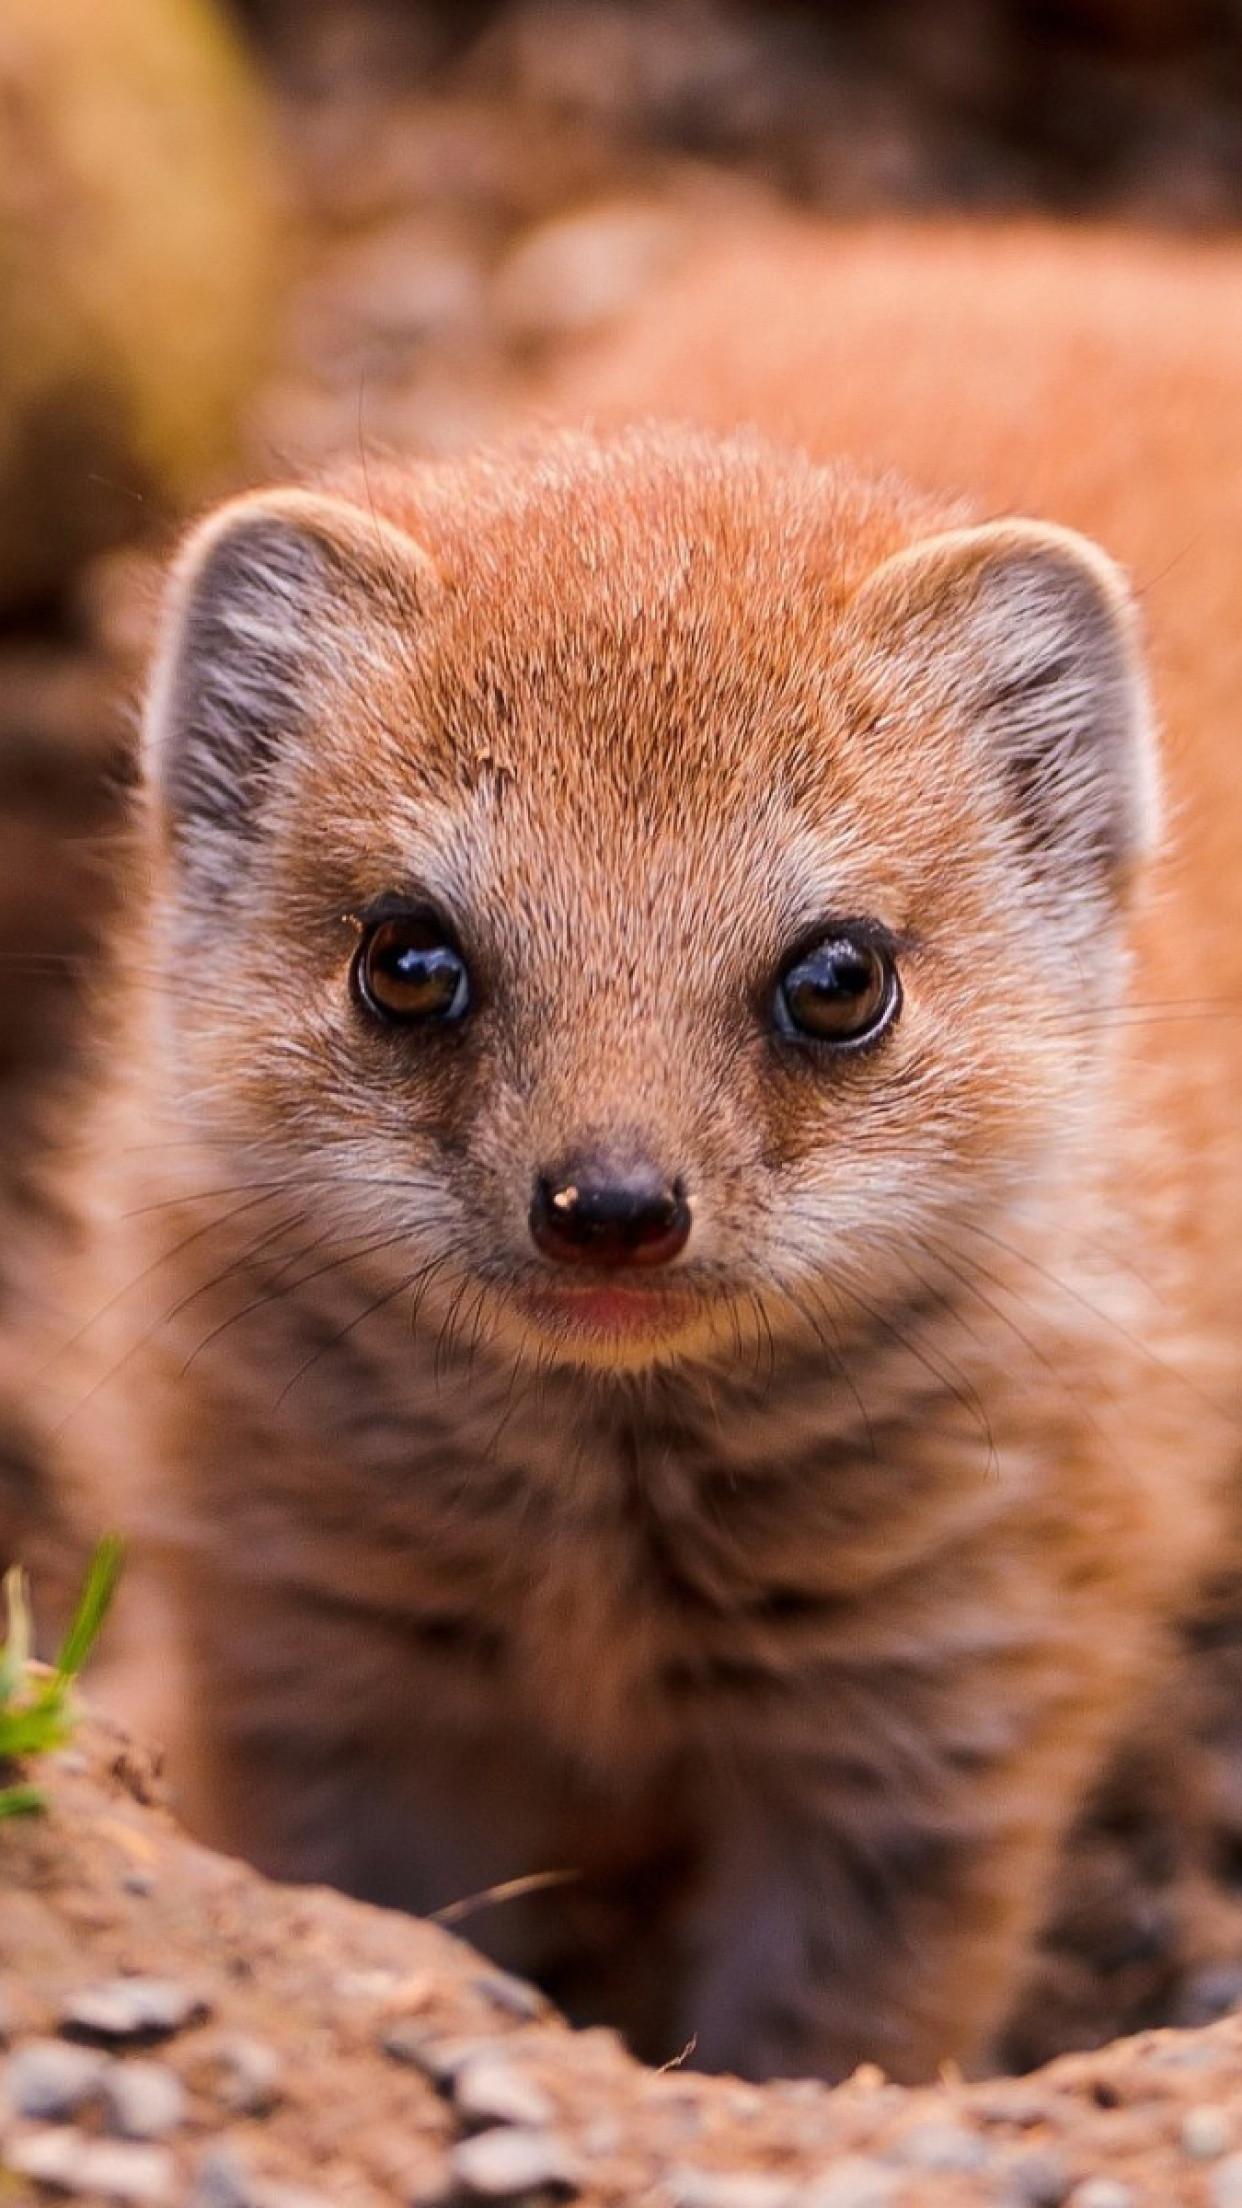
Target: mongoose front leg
{"type": "Point", "coordinates": [854, 1916]}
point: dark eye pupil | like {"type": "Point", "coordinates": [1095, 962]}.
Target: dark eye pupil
{"type": "Point", "coordinates": [841, 991]}
{"type": "Point", "coordinates": [408, 969]}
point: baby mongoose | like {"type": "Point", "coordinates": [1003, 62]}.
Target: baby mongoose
{"type": "Point", "coordinates": [660, 1280]}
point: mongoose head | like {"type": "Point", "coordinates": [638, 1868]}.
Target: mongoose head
{"type": "Point", "coordinates": [659, 891]}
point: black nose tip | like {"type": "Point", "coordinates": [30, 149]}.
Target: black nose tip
{"type": "Point", "coordinates": [611, 1216]}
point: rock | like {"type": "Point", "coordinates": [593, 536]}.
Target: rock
{"type": "Point", "coordinates": [225, 2180]}
{"type": "Point", "coordinates": [491, 2089]}
{"type": "Point", "coordinates": [853, 2182]}
{"type": "Point", "coordinates": [508, 2165]}
{"type": "Point", "coordinates": [142, 2100]}
{"type": "Point", "coordinates": [49, 2082]}
{"type": "Point", "coordinates": [728, 2189]}
{"type": "Point", "coordinates": [1102, 2192]}
{"type": "Point", "coordinates": [71, 2163]}
{"type": "Point", "coordinates": [245, 2074]}
{"type": "Point", "coordinates": [1015, 2105]}
{"type": "Point", "coordinates": [407, 2040]}
{"type": "Point", "coordinates": [1037, 2179]}
{"type": "Point", "coordinates": [440, 2059]}
{"type": "Point", "coordinates": [941, 2146]}
{"type": "Point", "coordinates": [514, 1996]}
{"type": "Point", "coordinates": [1207, 2132]}
{"type": "Point", "coordinates": [131, 2008]}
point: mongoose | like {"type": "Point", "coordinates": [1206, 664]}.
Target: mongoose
{"type": "Point", "coordinates": [660, 1280]}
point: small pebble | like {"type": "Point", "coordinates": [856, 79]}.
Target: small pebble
{"type": "Point", "coordinates": [248, 2075]}
{"type": "Point", "coordinates": [439, 2059]}
{"type": "Point", "coordinates": [514, 1997]}
{"type": "Point", "coordinates": [138, 1882]}
{"type": "Point", "coordinates": [941, 2146]}
{"type": "Point", "coordinates": [409, 2041]}
{"type": "Point", "coordinates": [492, 2090]}
{"type": "Point", "coordinates": [142, 2100]}
{"type": "Point", "coordinates": [1102, 2192]}
{"type": "Point", "coordinates": [49, 2082]}
{"type": "Point", "coordinates": [727, 2189]}
{"type": "Point", "coordinates": [141, 2176]}
{"type": "Point", "coordinates": [224, 2180]}
{"type": "Point", "coordinates": [1225, 2188]}
{"type": "Point", "coordinates": [499, 2165]}
{"type": "Point", "coordinates": [854, 2182]}
{"type": "Point", "coordinates": [1037, 2179]}
{"type": "Point", "coordinates": [745, 2103]}
{"type": "Point", "coordinates": [131, 2008]}
{"type": "Point", "coordinates": [1208, 2132]}
{"type": "Point", "coordinates": [1012, 2105]}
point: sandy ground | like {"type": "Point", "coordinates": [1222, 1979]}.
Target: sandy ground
{"type": "Point", "coordinates": [178, 2030]}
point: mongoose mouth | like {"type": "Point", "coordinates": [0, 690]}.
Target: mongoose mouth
{"type": "Point", "coordinates": [612, 1312]}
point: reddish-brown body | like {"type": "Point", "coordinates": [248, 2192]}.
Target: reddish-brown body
{"type": "Point", "coordinates": [795, 1599]}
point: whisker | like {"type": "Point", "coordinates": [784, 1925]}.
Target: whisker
{"type": "Point", "coordinates": [165, 1257]}
{"type": "Point", "coordinates": [377, 1303]}
{"type": "Point", "coordinates": [946, 1375]}
{"type": "Point", "coordinates": [763, 1321]}
{"type": "Point", "coordinates": [281, 1287]}
{"type": "Point", "coordinates": [839, 1363]}
{"type": "Point", "coordinates": [1104, 1318]}
{"type": "Point", "coordinates": [164, 1319]}
{"type": "Point", "coordinates": [969, 1281]}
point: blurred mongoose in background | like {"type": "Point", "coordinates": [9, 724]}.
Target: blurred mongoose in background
{"type": "Point", "coordinates": [660, 1269]}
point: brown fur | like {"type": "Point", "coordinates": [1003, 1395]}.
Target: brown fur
{"type": "Point", "coordinates": [796, 1621]}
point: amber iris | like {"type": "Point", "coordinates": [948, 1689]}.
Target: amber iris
{"type": "Point", "coordinates": [843, 990]}
{"type": "Point", "coordinates": [408, 969]}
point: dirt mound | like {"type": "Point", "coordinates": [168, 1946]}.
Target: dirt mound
{"type": "Point", "coordinates": [177, 2029]}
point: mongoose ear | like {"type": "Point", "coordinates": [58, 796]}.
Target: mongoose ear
{"type": "Point", "coordinates": [261, 629]}
{"type": "Point", "coordinates": [1032, 633]}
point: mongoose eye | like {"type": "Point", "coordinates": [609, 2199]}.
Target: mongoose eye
{"type": "Point", "coordinates": [843, 990]}
{"type": "Point", "coordinates": [409, 969]}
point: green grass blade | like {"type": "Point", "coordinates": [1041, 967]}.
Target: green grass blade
{"type": "Point", "coordinates": [20, 1801]}
{"type": "Point", "coordinates": [35, 1712]}
{"type": "Point", "coordinates": [31, 1731]}
{"type": "Point", "coordinates": [92, 1608]}
{"type": "Point", "coordinates": [15, 1654]}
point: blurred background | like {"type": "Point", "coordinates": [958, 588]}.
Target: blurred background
{"type": "Point", "coordinates": [238, 237]}
{"type": "Point", "coordinates": [242, 237]}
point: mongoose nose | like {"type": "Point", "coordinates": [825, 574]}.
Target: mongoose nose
{"type": "Point", "coordinates": [608, 1215]}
